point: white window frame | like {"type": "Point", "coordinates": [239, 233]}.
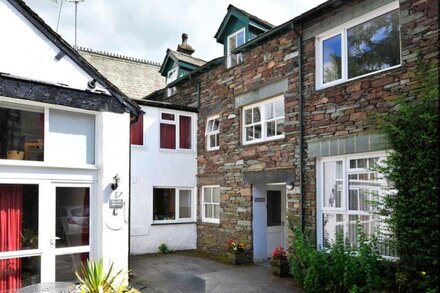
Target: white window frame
{"type": "Point", "coordinates": [228, 50]}
{"type": "Point", "coordinates": [342, 30]}
{"type": "Point", "coordinates": [208, 133]}
{"type": "Point", "coordinates": [176, 207]}
{"type": "Point", "coordinates": [177, 125]}
{"type": "Point", "coordinates": [345, 192]}
{"type": "Point", "coordinates": [170, 74]}
{"type": "Point", "coordinates": [263, 121]}
{"type": "Point", "coordinates": [204, 218]}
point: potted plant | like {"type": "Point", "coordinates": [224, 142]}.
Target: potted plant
{"type": "Point", "coordinates": [278, 262]}
{"type": "Point", "coordinates": [236, 252]}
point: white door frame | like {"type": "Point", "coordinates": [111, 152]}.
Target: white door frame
{"type": "Point", "coordinates": [282, 228]}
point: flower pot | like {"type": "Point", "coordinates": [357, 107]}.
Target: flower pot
{"type": "Point", "coordinates": [237, 258]}
{"type": "Point", "coordinates": [15, 155]}
{"type": "Point", "coordinates": [280, 268]}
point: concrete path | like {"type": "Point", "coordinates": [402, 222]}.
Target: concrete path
{"type": "Point", "coordinates": [189, 272]}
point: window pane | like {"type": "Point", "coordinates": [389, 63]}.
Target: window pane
{"type": "Point", "coordinates": [164, 204]}
{"type": "Point", "coordinates": [333, 184]}
{"type": "Point", "coordinates": [137, 131]}
{"type": "Point", "coordinates": [331, 49]}
{"type": "Point", "coordinates": [18, 217]}
{"type": "Point", "coordinates": [279, 108]}
{"type": "Point", "coordinates": [74, 134]}
{"type": "Point", "coordinates": [280, 127]}
{"type": "Point", "coordinates": [232, 43]}
{"type": "Point", "coordinates": [16, 273]}
{"type": "Point", "coordinates": [185, 204]}
{"type": "Point", "coordinates": [240, 38]}
{"type": "Point", "coordinates": [363, 191]}
{"type": "Point", "coordinates": [248, 116]}
{"type": "Point", "coordinates": [209, 126]}
{"type": "Point", "coordinates": [216, 125]}
{"type": "Point", "coordinates": [167, 116]}
{"type": "Point", "coordinates": [373, 45]}
{"type": "Point", "coordinates": [217, 211]}
{"type": "Point", "coordinates": [257, 131]}
{"type": "Point", "coordinates": [207, 194]}
{"type": "Point", "coordinates": [256, 115]}
{"type": "Point", "coordinates": [333, 224]}
{"type": "Point", "coordinates": [249, 133]}
{"type": "Point", "coordinates": [67, 265]}
{"type": "Point", "coordinates": [273, 208]}
{"type": "Point", "coordinates": [22, 133]}
{"type": "Point", "coordinates": [269, 110]}
{"type": "Point", "coordinates": [212, 141]}
{"type": "Point", "coordinates": [167, 136]}
{"type": "Point", "coordinates": [208, 211]}
{"type": "Point", "coordinates": [72, 216]}
{"type": "Point", "coordinates": [216, 194]}
{"type": "Point", "coordinates": [270, 128]}
{"type": "Point", "coordinates": [185, 132]}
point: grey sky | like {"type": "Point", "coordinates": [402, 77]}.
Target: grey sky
{"type": "Point", "coordinates": [146, 28]}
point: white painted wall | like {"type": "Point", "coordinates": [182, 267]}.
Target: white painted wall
{"type": "Point", "coordinates": [26, 52]}
{"type": "Point", "coordinates": [152, 167]}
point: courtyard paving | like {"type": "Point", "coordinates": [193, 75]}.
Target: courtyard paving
{"type": "Point", "coordinates": [182, 272]}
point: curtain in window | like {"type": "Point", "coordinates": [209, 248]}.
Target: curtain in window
{"type": "Point", "coordinates": [11, 203]}
{"type": "Point", "coordinates": [185, 132]}
{"type": "Point", "coordinates": [167, 136]}
{"type": "Point", "coordinates": [137, 131]}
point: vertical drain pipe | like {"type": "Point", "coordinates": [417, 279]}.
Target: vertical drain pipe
{"type": "Point", "coordinates": [299, 35]}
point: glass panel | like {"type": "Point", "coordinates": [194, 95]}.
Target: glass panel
{"type": "Point", "coordinates": [67, 265]}
{"type": "Point", "coordinates": [270, 128]}
{"type": "Point", "coordinates": [167, 136]}
{"type": "Point", "coordinates": [216, 125]}
{"type": "Point", "coordinates": [280, 126]}
{"type": "Point", "coordinates": [167, 116]}
{"type": "Point", "coordinates": [217, 211]}
{"type": "Point", "coordinates": [367, 187]}
{"type": "Point", "coordinates": [216, 194]}
{"type": "Point", "coordinates": [208, 211]}
{"type": "Point", "coordinates": [257, 131]}
{"type": "Point", "coordinates": [212, 140]}
{"type": "Point", "coordinates": [273, 208]}
{"type": "Point", "coordinates": [249, 133]}
{"type": "Point", "coordinates": [362, 163]}
{"type": "Point", "coordinates": [240, 38]}
{"type": "Point", "coordinates": [185, 132]}
{"type": "Point", "coordinates": [185, 204]}
{"type": "Point", "coordinates": [256, 115]}
{"type": "Point", "coordinates": [268, 108]}
{"type": "Point", "coordinates": [209, 126]}
{"type": "Point", "coordinates": [333, 184]}
{"type": "Point", "coordinates": [18, 217]}
{"type": "Point", "coordinates": [331, 51]}
{"type": "Point", "coordinates": [16, 273]}
{"type": "Point", "coordinates": [232, 42]}
{"type": "Point", "coordinates": [72, 221]}
{"type": "Point", "coordinates": [207, 194]}
{"type": "Point", "coordinates": [332, 225]}
{"type": "Point", "coordinates": [279, 108]}
{"type": "Point", "coordinates": [72, 134]}
{"type": "Point", "coordinates": [353, 164]}
{"type": "Point", "coordinates": [22, 133]}
{"type": "Point", "coordinates": [248, 116]}
{"type": "Point", "coordinates": [373, 45]}
{"type": "Point", "coordinates": [164, 204]}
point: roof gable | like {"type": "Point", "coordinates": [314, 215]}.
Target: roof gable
{"type": "Point", "coordinates": [236, 19]}
{"type": "Point", "coordinates": [38, 53]}
{"type": "Point", "coordinates": [181, 59]}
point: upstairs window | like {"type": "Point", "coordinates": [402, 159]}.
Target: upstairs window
{"type": "Point", "coordinates": [175, 131]}
{"type": "Point", "coordinates": [22, 132]}
{"type": "Point", "coordinates": [137, 131]}
{"type": "Point", "coordinates": [235, 40]}
{"type": "Point", "coordinates": [363, 46]}
{"type": "Point", "coordinates": [212, 133]}
{"type": "Point", "coordinates": [263, 121]}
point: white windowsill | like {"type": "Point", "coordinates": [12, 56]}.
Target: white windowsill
{"type": "Point", "coordinates": [20, 163]}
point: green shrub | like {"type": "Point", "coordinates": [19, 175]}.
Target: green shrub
{"type": "Point", "coordinates": [164, 248]}
{"type": "Point", "coordinates": [413, 170]}
{"type": "Point", "coordinates": [340, 268]}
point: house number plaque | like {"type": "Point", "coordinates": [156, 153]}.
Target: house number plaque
{"type": "Point", "coordinates": [116, 203]}
{"type": "Point", "coordinates": [259, 199]}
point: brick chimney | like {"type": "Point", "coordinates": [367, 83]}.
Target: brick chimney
{"type": "Point", "coordinates": [184, 47]}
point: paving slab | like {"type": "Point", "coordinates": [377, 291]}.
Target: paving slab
{"type": "Point", "coordinates": [191, 272]}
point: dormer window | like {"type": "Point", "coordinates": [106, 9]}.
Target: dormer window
{"type": "Point", "coordinates": [172, 75]}
{"type": "Point", "coordinates": [235, 40]}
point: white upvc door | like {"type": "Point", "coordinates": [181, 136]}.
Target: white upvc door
{"type": "Point", "coordinates": [275, 218]}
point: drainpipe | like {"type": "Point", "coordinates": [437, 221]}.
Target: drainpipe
{"type": "Point", "coordinates": [301, 122]}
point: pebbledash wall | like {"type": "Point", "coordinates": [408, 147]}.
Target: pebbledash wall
{"type": "Point", "coordinates": [337, 119]}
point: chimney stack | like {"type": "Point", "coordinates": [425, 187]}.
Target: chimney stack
{"type": "Point", "coordinates": [184, 47]}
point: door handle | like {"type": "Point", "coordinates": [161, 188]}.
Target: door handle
{"type": "Point", "coordinates": [53, 240]}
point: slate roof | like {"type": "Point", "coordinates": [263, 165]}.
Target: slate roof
{"type": "Point", "coordinates": [65, 47]}
{"type": "Point", "coordinates": [134, 77]}
{"type": "Point", "coordinates": [182, 57]}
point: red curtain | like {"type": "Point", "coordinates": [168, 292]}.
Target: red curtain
{"type": "Point", "coordinates": [167, 136]}
{"type": "Point", "coordinates": [11, 204]}
{"type": "Point", "coordinates": [137, 131]}
{"type": "Point", "coordinates": [185, 132]}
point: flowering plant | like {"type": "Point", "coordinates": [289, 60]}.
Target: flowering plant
{"type": "Point", "coordinates": [279, 254]}
{"type": "Point", "coordinates": [235, 247]}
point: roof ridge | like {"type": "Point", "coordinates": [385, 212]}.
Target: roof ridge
{"type": "Point", "coordinates": [124, 57]}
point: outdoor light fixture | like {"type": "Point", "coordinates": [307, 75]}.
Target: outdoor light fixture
{"type": "Point", "coordinates": [115, 183]}
{"type": "Point", "coordinates": [289, 184]}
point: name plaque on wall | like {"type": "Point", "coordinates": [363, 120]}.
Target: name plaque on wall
{"type": "Point", "coordinates": [259, 199]}
{"type": "Point", "coordinates": [116, 203]}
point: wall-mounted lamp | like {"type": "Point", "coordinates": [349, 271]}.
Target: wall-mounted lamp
{"type": "Point", "coordinates": [115, 183]}
{"type": "Point", "coordinates": [289, 184]}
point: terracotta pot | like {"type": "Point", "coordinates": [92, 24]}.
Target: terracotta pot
{"type": "Point", "coordinates": [15, 155]}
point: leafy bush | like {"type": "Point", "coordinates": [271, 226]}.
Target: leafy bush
{"type": "Point", "coordinates": [340, 268]}
{"type": "Point", "coordinates": [413, 170]}
{"type": "Point", "coordinates": [94, 279]}
{"type": "Point", "coordinates": [164, 248]}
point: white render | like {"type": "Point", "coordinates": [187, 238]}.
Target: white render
{"type": "Point", "coordinates": [154, 167]}
{"type": "Point", "coordinates": [35, 54]}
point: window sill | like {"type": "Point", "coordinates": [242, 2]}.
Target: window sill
{"type": "Point", "coordinates": [42, 164]}
{"type": "Point", "coordinates": [213, 149]}
{"type": "Point", "coordinates": [139, 147]}
{"type": "Point", "coordinates": [275, 138]}
{"type": "Point", "coordinates": [208, 223]}
{"type": "Point", "coordinates": [172, 223]}
{"type": "Point", "coordinates": [177, 151]}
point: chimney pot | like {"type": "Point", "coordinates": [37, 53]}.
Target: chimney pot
{"type": "Point", "coordinates": [185, 47]}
